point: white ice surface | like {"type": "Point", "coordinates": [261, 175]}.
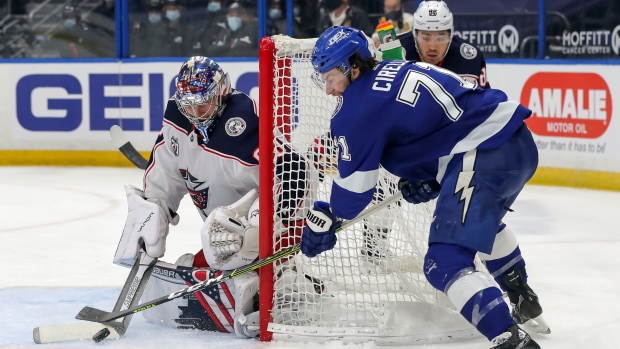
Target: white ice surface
{"type": "Point", "coordinates": [59, 228]}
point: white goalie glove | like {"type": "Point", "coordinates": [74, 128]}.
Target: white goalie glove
{"type": "Point", "coordinates": [230, 234]}
{"type": "Point", "coordinates": [147, 220]}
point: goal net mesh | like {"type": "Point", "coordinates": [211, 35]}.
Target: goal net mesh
{"type": "Point", "coordinates": [371, 285]}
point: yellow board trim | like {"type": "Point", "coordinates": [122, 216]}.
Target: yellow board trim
{"type": "Point", "coordinates": [65, 158]}
{"type": "Point", "coordinates": [566, 177]}
{"type": "Point", "coordinates": [544, 175]}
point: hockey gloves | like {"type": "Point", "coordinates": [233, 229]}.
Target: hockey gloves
{"type": "Point", "coordinates": [417, 192]}
{"type": "Point", "coordinates": [320, 231]}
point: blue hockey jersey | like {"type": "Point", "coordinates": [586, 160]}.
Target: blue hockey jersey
{"type": "Point", "coordinates": [413, 117]}
{"type": "Point", "coordinates": [462, 58]}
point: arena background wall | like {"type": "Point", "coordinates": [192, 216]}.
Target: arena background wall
{"type": "Point", "coordinates": [59, 113]}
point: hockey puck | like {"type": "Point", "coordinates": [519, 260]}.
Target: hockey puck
{"type": "Point", "coordinates": [101, 335]}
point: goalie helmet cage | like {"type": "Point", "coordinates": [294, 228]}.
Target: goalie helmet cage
{"type": "Point", "coordinates": [371, 284]}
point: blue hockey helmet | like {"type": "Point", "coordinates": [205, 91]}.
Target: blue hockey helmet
{"type": "Point", "coordinates": [334, 47]}
{"type": "Point", "coordinates": [203, 89]}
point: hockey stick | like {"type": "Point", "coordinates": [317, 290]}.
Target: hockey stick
{"type": "Point", "coordinates": [96, 315]}
{"type": "Point", "coordinates": [129, 296]}
{"type": "Point", "coordinates": [130, 152]}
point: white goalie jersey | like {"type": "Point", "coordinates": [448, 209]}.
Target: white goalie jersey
{"type": "Point", "coordinates": [214, 173]}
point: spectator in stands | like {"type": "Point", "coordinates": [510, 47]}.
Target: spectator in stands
{"type": "Point", "coordinates": [241, 36]}
{"type": "Point", "coordinates": [106, 8]}
{"type": "Point", "coordinates": [78, 39]}
{"type": "Point", "coordinates": [163, 33]}
{"type": "Point", "coordinates": [340, 12]}
{"type": "Point", "coordinates": [277, 22]}
{"type": "Point", "coordinates": [307, 15]}
{"type": "Point", "coordinates": [212, 24]}
{"type": "Point", "coordinates": [394, 11]}
{"type": "Point", "coordinates": [103, 16]}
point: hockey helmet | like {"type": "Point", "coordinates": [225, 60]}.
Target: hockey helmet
{"type": "Point", "coordinates": [334, 47]}
{"type": "Point", "coordinates": [203, 89]}
{"type": "Point", "coordinates": [433, 16]}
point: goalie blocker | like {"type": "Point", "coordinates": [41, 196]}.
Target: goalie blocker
{"type": "Point", "coordinates": [230, 240]}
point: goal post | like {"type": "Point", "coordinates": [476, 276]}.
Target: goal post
{"type": "Point", "coordinates": [370, 287]}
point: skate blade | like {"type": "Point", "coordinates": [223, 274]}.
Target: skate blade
{"type": "Point", "coordinates": [538, 325]}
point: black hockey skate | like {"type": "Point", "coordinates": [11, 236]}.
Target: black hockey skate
{"type": "Point", "coordinates": [514, 338]}
{"type": "Point", "coordinates": [524, 301]}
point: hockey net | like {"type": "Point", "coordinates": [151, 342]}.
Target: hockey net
{"type": "Point", "coordinates": [371, 285]}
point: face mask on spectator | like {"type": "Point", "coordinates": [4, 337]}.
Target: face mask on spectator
{"type": "Point", "coordinates": [275, 13]}
{"type": "Point", "coordinates": [69, 23]}
{"type": "Point", "coordinates": [296, 11]}
{"type": "Point", "coordinates": [394, 15]}
{"type": "Point", "coordinates": [173, 15]}
{"type": "Point", "coordinates": [154, 17]}
{"type": "Point", "coordinates": [332, 4]}
{"type": "Point", "coordinates": [234, 23]}
{"type": "Point", "coordinates": [214, 6]}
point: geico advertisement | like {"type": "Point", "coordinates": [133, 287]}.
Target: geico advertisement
{"type": "Point", "coordinates": [573, 117]}
{"type": "Point", "coordinates": [60, 105]}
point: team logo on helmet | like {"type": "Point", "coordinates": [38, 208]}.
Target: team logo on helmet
{"type": "Point", "coordinates": [235, 127]}
{"type": "Point", "coordinates": [432, 12]}
{"type": "Point", "coordinates": [338, 37]}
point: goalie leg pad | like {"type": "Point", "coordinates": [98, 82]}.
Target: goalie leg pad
{"type": "Point", "coordinates": [246, 317]}
{"type": "Point", "coordinates": [211, 310]}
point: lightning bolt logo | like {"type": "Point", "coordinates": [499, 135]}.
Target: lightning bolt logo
{"type": "Point", "coordinates": [463, 184]}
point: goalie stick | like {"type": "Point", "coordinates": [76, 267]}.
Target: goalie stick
{"type": "Point", "coordinates": [129, 296]}
{"type": "Point", "coordinates": [130, 152]}
{"type": "Point", "coordinates": [96, 315]}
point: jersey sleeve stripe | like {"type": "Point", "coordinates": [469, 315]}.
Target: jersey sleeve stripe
{"type": "Point", "coordinates": [227, 156]}
{"type": "Point", "coordinates": [491, 126]}
{"type": "Point", "coordinates": [178, 128]}
{"type": "Point", "coordinates": [152, 164]}
{"type": "Point", "coordinates": [359, 181]}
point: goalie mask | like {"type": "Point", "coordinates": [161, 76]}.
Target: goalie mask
{"type": "Point", "coordinates": [203, 89]}
{"type": "Point", "coordinates": [334, 48]}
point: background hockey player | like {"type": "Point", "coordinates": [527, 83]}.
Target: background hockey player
{"type": "Point", "coordinates": [432, 40]}
{"type": "Point", "coordinates": [207, 148]}
{"type": "Point", "coordinates": [447, 139]}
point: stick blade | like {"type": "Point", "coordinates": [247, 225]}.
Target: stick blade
{"type": "Point", "coordinates": [122, 143]}
{"type": "Point", "coordinates": [118, 136]}
{"type": "Point", "coordinates": [70, 332]}
{"type": "Point", "coordinates": [92, 314]}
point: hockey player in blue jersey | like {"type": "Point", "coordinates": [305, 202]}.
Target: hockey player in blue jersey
{"type": "Point", "coordinates": [446, 138]}
{"type": "Point", "coordinates": [432, 41]}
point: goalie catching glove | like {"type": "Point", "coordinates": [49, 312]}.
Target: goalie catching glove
{"type": "Point", "coordinates": [320, 231]}
{"type": "Point", "coordinates": [147, 220]}
{"type": "Point", "coordinates": [230, 234]}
